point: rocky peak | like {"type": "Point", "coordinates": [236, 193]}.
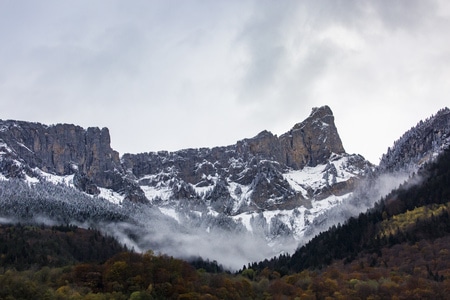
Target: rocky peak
{"type": "Point", "coordinates": [252, 173]}
{"type": "Point", "coordinates": [308, 143]}
{"type": "Point", "coordinates": [312, 141]}
{"type": "Point", "coordinates": [321, 112]}
{"type": "Point", "coordinates": [265, 145]}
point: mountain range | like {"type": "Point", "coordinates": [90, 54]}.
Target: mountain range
{"type": "Point", "coordinates": [272, 192]}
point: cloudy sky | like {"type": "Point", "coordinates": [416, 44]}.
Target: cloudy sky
{"type": "Point", "coordinates": [167, 75]}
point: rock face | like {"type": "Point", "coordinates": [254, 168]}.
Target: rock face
{"type": "Point", "coordinates": [308, 143]}
{"type": "Point", "coordinates": [312, 141]}
{"type": "Point", "coordinates": [250, 175]}
{"type": "Point", "coordinates": [60, 148]}
{"type": "Point", "coordinates": [64, 149]}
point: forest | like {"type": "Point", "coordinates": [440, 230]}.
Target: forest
{"type": "Point", "coordinates": [400, 249]}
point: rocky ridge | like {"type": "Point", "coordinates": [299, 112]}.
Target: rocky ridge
{"type": "Point", "coordinates": [247, 176]}
{"type": "Point", "coordinates": [250, 175]}
{"type": "Point", "coordinates": [418, 145]}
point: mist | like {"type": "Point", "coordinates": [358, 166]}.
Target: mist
{"type": "Point", "coordinates": [231, 248]}
{"type": "Point", "coordinates": [140, 226]}
{"type": "Point", "coordinates": [369, 191]}
{"type": "Point", "coordinates": [228, 242]}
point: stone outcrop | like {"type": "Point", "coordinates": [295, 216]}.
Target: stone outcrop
{"type": "Point", "coordinates": [60, 148]}
{"type": "Point", "coordinates": [308, 143]}
{"type": "Point", "coordinates": [312, 141]}
{"type": "Point", "coordinates": [66, 149]}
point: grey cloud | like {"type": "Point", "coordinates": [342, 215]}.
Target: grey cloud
{"type": "Point", "coordinates": [286, 56]}
{"type": "Point", "coordinates": [266, 39]}
{"type": "Point", "coordinates": [408, 15]}
{"type": "Point", "coordinates": [262, 64]}
{"type": "Point", "coordinates": [262, 39]}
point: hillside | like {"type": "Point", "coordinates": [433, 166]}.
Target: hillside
{"type": "Point", "coordinates": [418, 209]}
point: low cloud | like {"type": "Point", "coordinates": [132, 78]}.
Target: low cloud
{"type": "Point", "coordinates": [231, 248]}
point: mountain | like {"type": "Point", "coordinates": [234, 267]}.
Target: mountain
{"type": "Point", "coordinates": [249, 175]}
{"type": "Point", "coordinates": [259, 173]}
{"type": "Point", "coordinates": [33, 151]}
{"type": "Point", "coordinates": [271, 191]}
{"type": "Point", "coordinates": [396, 249]}
{"type": "Point", "coordinates": [268, 186]}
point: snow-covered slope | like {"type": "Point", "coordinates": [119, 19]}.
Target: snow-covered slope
{"type": "Point", "coordinates": [315, 186]}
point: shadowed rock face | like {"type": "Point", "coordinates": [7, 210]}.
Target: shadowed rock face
{"type": "Point", "coordinates": [259, 162]}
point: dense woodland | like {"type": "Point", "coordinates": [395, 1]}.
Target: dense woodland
{"type": "Point", "coordinates": [25, 247]}
{"type": "Point", "coordinates": [398, 250]}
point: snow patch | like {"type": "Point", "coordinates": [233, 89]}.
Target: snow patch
{"type": "Point", "coordinates": [170, 212]}
{"type": "Point", "coordinates": [111, 196]}
{"type": "Point", "coordinates": [162, 192]}
{"type": "Point", "coordinates": [55, 179]}
{"type": "Point", "coordinates": [245, 220]}
{"type": "Point", "coordinates": [297, 219]}
{"type": "Point", "coordinates": [316, 177]}
{"type": "Point", "coordinates": [22, 145]}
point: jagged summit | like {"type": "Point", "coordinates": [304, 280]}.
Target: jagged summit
{"type": "Point", "coordinates": [308, 143]}
{"type": "Point", "coordinates": [321, 112]}
{"type": "Point", "coordinates": [312, 141]}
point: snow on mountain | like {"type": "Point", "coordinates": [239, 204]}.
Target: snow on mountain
{"type": "Point", "coordinates": [272, 192]}
{"type": "Point", "coordinates": [338, 169]}
{"type": "Point", "coordinates": [313, 184]}
{"type": "Point", "coordinates": [296, 220]}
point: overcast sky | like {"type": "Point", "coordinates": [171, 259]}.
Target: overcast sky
{"type": "Point", "coordinates": [168, 75]}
